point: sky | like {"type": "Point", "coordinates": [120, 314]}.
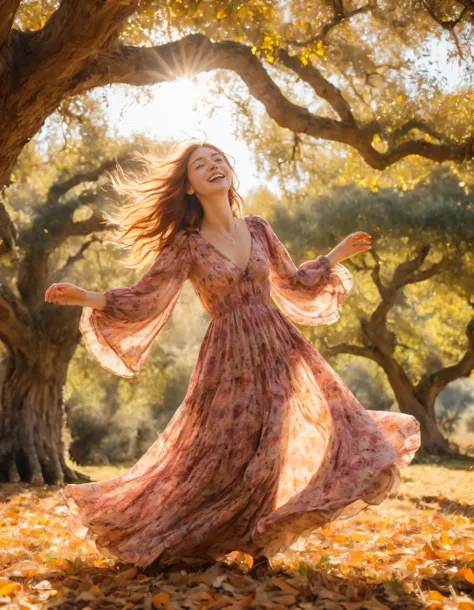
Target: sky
{"type": "Point", "coordinates": [175, 113]}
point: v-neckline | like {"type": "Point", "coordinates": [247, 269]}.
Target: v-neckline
{"type": "Point", "coordinates": [225, 256]}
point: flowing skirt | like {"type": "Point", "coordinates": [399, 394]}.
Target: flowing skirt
{"type": "Point", "coordinates": [252, 462]}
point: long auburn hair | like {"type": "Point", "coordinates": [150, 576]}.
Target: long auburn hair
{"type": "Point", "coordinates": [156, 204]}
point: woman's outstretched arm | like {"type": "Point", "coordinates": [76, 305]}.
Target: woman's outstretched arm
{"type": "Point", "coordinates": [312, 293]}
{"type": "Point", "coordinates": [64, 293]}
{"type": "Point", "coordinates": [120, 324]}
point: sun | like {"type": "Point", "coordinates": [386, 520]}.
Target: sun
{"type": "Point", "coordinates": [178, 110]}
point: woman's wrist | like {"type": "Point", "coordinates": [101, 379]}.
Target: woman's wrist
{"type": "Point", "coordinates": [93, 299]}
{"type": "Point", "coordinates": [332, 257]}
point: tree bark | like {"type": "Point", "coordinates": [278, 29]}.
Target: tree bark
{"type": "Point", "coordinates": [31, 422]}
{"type": "Point", "coordinates": [379, 344]}
{"type": "Point", "coordinates": [432, 441]}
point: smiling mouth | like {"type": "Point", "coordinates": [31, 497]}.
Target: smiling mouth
{"type": "Point", "coordinates": [216, 178]}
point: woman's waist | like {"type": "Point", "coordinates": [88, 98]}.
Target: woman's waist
{"type": "Point", "coordinates": [247, 305]}
{"type": "Point", "coordinates": [252, 333]}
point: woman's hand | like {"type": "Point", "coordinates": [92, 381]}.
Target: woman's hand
{"type": "Point", "coordinates": [350, 246]}
{"type": "Point", "coordinates": [65, 294]}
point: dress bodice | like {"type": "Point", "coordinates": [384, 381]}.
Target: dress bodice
{"type": "Point", "coordinates": [221, 284]}
{"type": "Point", "coordinates": [238, 300]}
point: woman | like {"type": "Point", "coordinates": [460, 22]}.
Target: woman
{"type": "Point", "coordinates": [268, 443]}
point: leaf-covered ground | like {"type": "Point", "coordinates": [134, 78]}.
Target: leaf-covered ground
{"type": "Point", "coordinates": [415, 550]}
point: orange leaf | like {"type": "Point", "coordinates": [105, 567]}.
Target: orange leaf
{"type": "Point", "coordinates": [128, 574]}
{"type": "Point", "coordinates": [7, 589]}
{"type": "Point", "coordinates": [468, 574]}
{"type": "Point", "coordinates": [162, 601]}
{"type": "Point", "coordinates": [429, 553]}
{"type": "Point", "coordinates": [356, 557]}
{"type": "Point", "coordinates": [435, 595]}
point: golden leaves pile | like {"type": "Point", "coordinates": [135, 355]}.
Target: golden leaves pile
{"type": "Point", "coordinates": [414, 550]}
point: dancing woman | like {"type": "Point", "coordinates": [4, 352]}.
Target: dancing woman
{"type": "Point", "coordinates": [269, 443]}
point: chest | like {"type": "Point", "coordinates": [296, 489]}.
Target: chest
{"type": "Point", "coordinates": [215, 270]}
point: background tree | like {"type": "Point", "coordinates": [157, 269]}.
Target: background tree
{"type": "Point", "coordinates": [412, 309]}
{"type": "Point", "coordinates": [58, 201]}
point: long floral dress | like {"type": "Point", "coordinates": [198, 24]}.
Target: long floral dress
{"type": "Point", "coordinates": [268, 443]}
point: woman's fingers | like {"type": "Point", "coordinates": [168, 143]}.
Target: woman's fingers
{"type": "Point", "coordinates": [53, 293]}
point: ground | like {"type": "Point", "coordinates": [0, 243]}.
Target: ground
{"type": "Point", "coordinates": [415, 550]}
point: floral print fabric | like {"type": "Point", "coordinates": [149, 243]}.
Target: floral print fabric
{"type": "Point", "coordinates": [268, 443]}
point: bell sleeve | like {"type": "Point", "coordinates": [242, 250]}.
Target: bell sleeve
{"type": "Point", "coordinates": [120, 336]}
{"type": "Point", "coordinates": [310, 294]}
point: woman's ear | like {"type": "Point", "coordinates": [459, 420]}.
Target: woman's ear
{"type": "Point", "coordinates": [190, 190]}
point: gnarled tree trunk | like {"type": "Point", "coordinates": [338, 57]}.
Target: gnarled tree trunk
{"type": "Point", "coordinates": [31, 421]}
{"type": "Point", "coordinates": [432, 440]}
{"type": "Point", "coordinates": [379, 345]}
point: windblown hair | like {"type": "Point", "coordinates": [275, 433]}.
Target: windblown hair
{"type": "Point", "coordinates": [156, 205]}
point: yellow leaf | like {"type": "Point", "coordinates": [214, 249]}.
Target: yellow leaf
{"type": "Point", "coordinates": [435, 595]}
{"type": "Point", "coordinates": [356, 557]}
{"type": "Point", "coordinates": [400, 99]}
{"type": "Point", "coordinates": [128, 574]}
{"type": "Point", "coordinates": [321, 48]}
{"type": "Point", "coordinates": [221, 13]}
{"type": "Point", "coordinates": [162, 601]}
{"type": "Point", "coordinates": [7, 589]}
{"type": "Point", "coordinates": [443, 554]}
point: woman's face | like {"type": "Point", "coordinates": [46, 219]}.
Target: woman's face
{"type": "Point", "coordinates": [208, 172]}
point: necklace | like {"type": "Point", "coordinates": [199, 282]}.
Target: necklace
{"type": "Point", "coordinates": [232, 241]}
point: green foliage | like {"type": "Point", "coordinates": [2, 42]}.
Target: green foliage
{"type": "Point", "coordinates": [429, 317]}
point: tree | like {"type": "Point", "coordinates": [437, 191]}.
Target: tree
{"type": "Point", "coordinates": [60, 220]}
{"type": "Point", "coordinates": [352, 60]}
{"type": "Point", "coordinates": [413, 311]}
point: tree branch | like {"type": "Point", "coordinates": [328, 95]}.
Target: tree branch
{"type": "Point", "coordinates": [320, 85]}
{"type": "Point", "coordinates": [60, 188]}
{"type": "Point", "coordinates": [348, 348]}
{"type": "Point", "coordinates": [432, 384]}
{"type": "Point", "coordinates": [69, 35]}
{"type": "Point", "coordinates": [8, 11]}
{"type": "Point", "coordinates": [450, 24]}
{"type": "Point", "coordinates": [8, 233]}
{"type": "Point", "coordinates": [338, 17]}
{"type": "Point", "coordinates": [196, 53]}
{"type": "Point", "coordinates": [374, 330]}
{"type": "Point", "coordinates": [60, 273]}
